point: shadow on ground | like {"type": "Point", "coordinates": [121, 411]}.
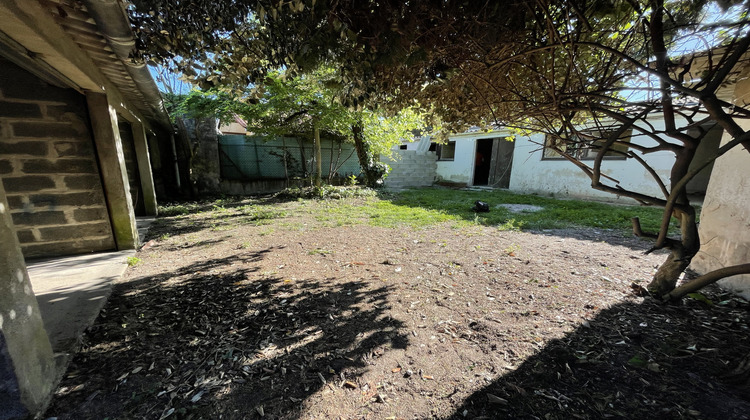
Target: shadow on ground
{"type": "Point", "coordinates": [212, 342]}
{"type": "Point", "coordinates": [646, 361]}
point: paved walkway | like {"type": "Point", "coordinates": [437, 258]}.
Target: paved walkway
{"type": "Point", "coordinates": [72, 290]}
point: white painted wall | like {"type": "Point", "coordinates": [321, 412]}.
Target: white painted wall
{"type": "Point", "coordinates": [725, 219]}
{"type": "Point", "coordinates": [461, 168]}
{"type": "Point", "coordinates": [560, 178]}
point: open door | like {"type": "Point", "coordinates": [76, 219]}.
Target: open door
{"type": "Point", "coordinates": [493, 162]}
{"type": "Point", "coordinates": [482, 161]}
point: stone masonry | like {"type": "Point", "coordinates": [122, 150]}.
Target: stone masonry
{"type": "Point", "coordinates": [48, 167]}
{"type": "Point", "coordinates": [410, 169]}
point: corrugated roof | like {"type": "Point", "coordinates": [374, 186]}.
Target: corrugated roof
{"type": "Point", "coordinates": [74, 18]}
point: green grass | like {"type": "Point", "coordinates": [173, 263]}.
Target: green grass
{"type": "Point", "coordinates": [456, 204]}
{"type": "Point", "coordinates": [380, 212]}
{"type": "Point", "coordinates": [420, 208]}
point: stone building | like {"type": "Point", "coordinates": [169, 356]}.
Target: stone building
{"type": "Point", "coordinates": [82, 130]}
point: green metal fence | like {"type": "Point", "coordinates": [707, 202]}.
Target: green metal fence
{"type": "Point", "coordinates": [255, 157]}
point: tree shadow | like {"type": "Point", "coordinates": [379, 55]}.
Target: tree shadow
{"type": "Point", "coordinates": [631, 361]}
{"type": "Point", "coordinates": [217, 338]}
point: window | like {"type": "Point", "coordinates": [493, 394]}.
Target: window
{"type": "Point", "coordinates": [585, 145]}
{"type": "Point", "coordinates": [446, 151]}
{"type": "Point", "coordinates": [402, 147]}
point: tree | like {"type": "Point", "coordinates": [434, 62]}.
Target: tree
{"type": "Point", "coordinates": [586, 72]}
{"type": "Point", "coordinates": [304, 106]}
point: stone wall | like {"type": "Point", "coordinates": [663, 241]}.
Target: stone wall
{"type": "Point", "coordinates": [48, 167]}
{"type": "Point", "coordinates": [410, 169]}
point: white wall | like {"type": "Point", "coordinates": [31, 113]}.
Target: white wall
{"type": "Point", "coordinates": [561, 178]}
{"type": "Point", "coordinates": [461, 168]}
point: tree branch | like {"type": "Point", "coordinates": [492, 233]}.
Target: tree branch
{"type": "Point", "coordinates": [706, 279]}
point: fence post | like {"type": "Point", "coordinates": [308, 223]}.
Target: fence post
{"type": "Point", "coordinates": [257, 158]}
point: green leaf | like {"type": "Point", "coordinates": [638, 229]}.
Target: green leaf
{"type": "Point", "coordinates": [638, 361]}
{"type": "Point", "coordinates": [701, 298]}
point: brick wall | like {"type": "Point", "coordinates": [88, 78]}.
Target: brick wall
{"type": "Point", "coordinates": [411, 168]}
{"type": "Point", "coordinates": [48, 167]}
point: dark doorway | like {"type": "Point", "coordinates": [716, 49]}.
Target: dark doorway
{"type": "Point", "coordinates": [482, 160]}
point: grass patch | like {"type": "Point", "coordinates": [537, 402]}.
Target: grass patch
{"type": "Point", "coordinates": [418, 208]}
{"type": "Point", "coordinates": [555, 214]}
{"type": "Point", "coordinates": [384, 213]}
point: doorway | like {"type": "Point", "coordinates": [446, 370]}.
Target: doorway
{"type": "Point", "coordinates": [482, 161]}
{"type": "Point", "coordinates": [493, 161]}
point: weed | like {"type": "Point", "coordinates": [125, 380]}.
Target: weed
{"type": "Point", "coordinates": [511, 225]}
{"type": "Point", "coordinates": [133, 261]}
{"type": "Point", "coordinates": [219, 208]}
{"type": "Point", "coordinates": [512, 249]}
{"type": "Point", "coordinates": [319, 251]}
{"type": "Point", "coordinates": [180, 209]}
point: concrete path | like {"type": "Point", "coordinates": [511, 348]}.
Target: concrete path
{"type": "Point", "coordinates": [72, 290]}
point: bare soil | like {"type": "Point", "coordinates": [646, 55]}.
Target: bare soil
{"type": "Point", "coordinates": [232, 317]}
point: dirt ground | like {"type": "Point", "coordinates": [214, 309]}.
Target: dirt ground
{"type": "Point", "coordinates": [232, 314]}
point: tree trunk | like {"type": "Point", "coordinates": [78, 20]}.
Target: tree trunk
{"type": "Point", "coordinates": [669, 272]}
{"type": "Point", "coordinates": [363, 156]}
{"type": "Point", "coordinates": [302, 158]}
{"type": "Point", "coordinates": [318, 157]}
{"type": "Point", "coordinates": [666, 276]}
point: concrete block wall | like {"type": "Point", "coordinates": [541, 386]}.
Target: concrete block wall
{"type": "Point", "coordinates": [131, 165]}
{"type": "Point", "coordinates": [48, 167]}
{"type": "Point", "coordinates": [410, 169]}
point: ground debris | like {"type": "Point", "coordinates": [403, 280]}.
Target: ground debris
{"type": "Point", "coordinates": [216, 322]}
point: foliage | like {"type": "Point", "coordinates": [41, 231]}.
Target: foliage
{"type": "Point", "coordinates": [179, 209]}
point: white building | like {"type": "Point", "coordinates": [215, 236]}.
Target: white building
{"type": "Point", "coordinates": [522, 164]}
